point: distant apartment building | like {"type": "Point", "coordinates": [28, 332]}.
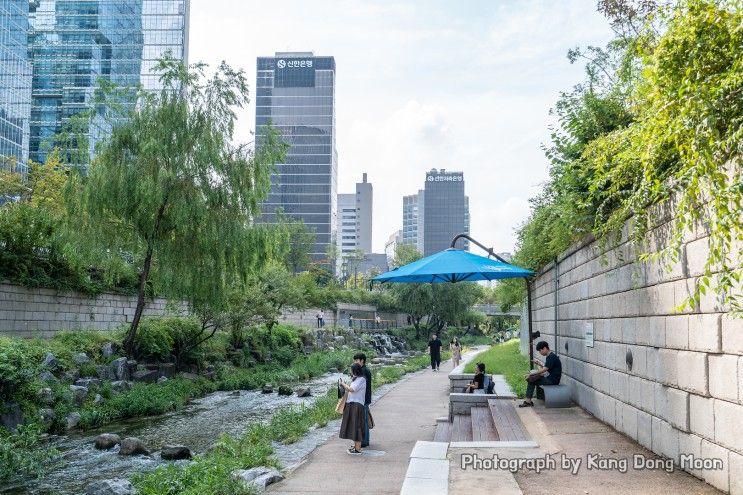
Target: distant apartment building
{"type": "Point", "coordinates": [413, 220]}
{"type": "Point", "coordinates": [355, 219]}
{"type": "Point", "coordinates": [390, 247]}
{"type": "Point", "coordinates": [295, 92]}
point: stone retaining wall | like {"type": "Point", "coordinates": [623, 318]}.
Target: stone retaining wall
{"type": "Point", "coordinates": [28, 312]}
{"type": "Point", "coordinates": [671, 380]}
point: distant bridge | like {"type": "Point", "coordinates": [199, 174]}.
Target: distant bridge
{"type": "Point", "coordinates": [494, 310]}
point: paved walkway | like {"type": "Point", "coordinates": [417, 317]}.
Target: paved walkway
{"type": "Point", "coordinates": [576, 434]}
{"type": "Point", "coordinates": [403, 416]}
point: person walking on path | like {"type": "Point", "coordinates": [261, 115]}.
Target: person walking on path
{"type": "Point", "coordinates": [360, 359]}
{"type": "Point", "coordinates": [352, 424]}
{"type": "Point", "coordinates": [434, 349]}
{"type": "Point", "coordinates": [456, 352]}
{"type": "Point", "coordinates": [320, 319]}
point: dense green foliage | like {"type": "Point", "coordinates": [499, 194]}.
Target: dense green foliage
{"type": "Point", "coordinates": [659, 121]}
{"type": "Point", "coordinates": [504, 359]}
{"type": "Point", "coordinates": [210, 472]}
{"type": "Point", "coordinates": [23, 453]}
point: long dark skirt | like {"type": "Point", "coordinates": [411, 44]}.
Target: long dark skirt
{"type": "Point", "coordinates": [352, 425]}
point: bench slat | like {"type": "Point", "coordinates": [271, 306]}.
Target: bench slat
{"type": "Point", "coordinates": [461, 429]}
{"type": "Point", "coordinates": [507, 421]}
{"type": "Point", "coordinates": [483, 428]}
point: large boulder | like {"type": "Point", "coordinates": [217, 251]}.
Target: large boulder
{"type": "Point", "coordinates": [72, 420]}
{"type": "Point", "coordinates": [47, 416]}
{"type": "Point", "coordinates": [104, 372]}
{"type": "Point", "coordinates": [175, 452]}
{"type": "Point", "coordinates": [88, 382]}
{"type": "Point", "coordinates": [81, 358]}
{"type": "Point", "coordinates": [267, 389]}
{"type": "Point", "coordinates": [133, 366]}
{"type": "Point", "coordinates": [98, 399]}
{"type": "Point", "coordinates": [167, 369]}
{"type": "Point", "coordinates": [162, 380]}
{"type": "Point", "coordinates": [285, 390]}
{"type": "Point", "coordinates": [47, 376]}
{"type": "Point", "coordinates": [71, 375]}
{"type": "Point", "coordinates": [50, 362]}
{"type": "Point", "coordinates": [133, 446]}
{"type": "Point", "coordinates": [10, 415]}
{"type": "Point", "coordinates": [146, 376]}
{"type": "Point", "coordinates": [107, 350]}
{"type": "Point", "coordinates": [258, 478]}
{"type": "Point", "coordinates": [119, 369]}
{"type": "Point", "coordinates": [106, 441]}
{"type": "Point", "coordinates": [304, 392]}
{"type": "Point", "coordinates": [79, 394]}
{"type": "Point", "coordinates": [110, 487]}
{"type": "Point", "coordinates": [46, 396]}
{"type": "Point", "coordinates": [189, 376]}
{"type": "Point", "coordinates": [120, 386]}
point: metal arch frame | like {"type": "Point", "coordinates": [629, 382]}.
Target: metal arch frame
{"type": "Point", "coordinates": [526, 279]}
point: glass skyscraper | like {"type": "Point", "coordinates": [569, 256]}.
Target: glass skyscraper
{"type": "Point", "coordinates": [445, 211]}
{"type": "Point", "coordinates": [15, 81]}
{"type": "Point", "coordinates": [296, 93]}
{"type": "Point", "coordinates": [73, 43]}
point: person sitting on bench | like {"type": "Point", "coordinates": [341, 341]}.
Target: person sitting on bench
{"type": "Point", "coordinates": [477, 385]}
{"type": "Point", "coordinates": [550, 373]}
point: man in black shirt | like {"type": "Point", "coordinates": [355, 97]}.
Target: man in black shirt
{"type": "Point", "coordinates": [360, 359]}
{"type": "Point", "coordinates": [550, 373]}
{"type": "Point", "coordinates": [434, 348]}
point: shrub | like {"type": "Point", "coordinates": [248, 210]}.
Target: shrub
{"type": "Point", "coordinates": [154, 339]}
{"type": "Point", "coordinates": [17, 368]}
{"type": "Point", "coordinates": [23, 453]}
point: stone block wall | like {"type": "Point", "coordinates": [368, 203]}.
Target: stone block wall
{"type": "Point", "coordinates": [672, 380]}
{"type": "Point", "coordinates": [42, 312]}
{"type": "Point", "coordinates": [28, 312]}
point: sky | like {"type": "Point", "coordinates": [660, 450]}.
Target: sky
{"type": "Point", "coordinates": [461, 85]}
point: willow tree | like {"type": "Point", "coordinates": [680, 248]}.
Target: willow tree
{"type": "Point", "coordinates": [171, 191]}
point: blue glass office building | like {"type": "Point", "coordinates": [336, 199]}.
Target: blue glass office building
{"type": "Point", "coordinates": [296, 93]}
{"type": "Point", "coordinates": [15, 81]}
{"type": "Point", "coordinates": [73, 43]}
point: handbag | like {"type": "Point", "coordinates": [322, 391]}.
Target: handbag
{"type": "Point", "coordinates": [533, 377]}
{"type": "Point", "coordinates": [341, 404]}
{"type": "Point", "coordinates": [371, 420]}
{"type": "Point", "coordinates": [341, 390]}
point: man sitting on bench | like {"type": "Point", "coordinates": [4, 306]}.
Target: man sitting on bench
{"type": "Point", "coordinates": [550, 373]}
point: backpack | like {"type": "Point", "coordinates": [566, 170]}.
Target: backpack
{"type": "Point", "coordinates": [489, 384]}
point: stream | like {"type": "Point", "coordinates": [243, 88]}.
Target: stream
{"type": "Point", "coordinates": [197, 426]}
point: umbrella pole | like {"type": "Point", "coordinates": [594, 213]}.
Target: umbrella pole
{"type": "Point", "coordinates": [528, 310]}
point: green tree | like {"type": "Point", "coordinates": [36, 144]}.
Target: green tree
{"type": "Point", "coordinates": [300, 241]}
{"type": "Point", "coordinates": [171, 188]}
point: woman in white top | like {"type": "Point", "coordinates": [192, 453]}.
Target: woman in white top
{"type": "Point", "coordinates": [352, 425]}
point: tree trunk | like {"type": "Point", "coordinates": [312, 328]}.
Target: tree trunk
{"type": "Point", "coordinates": [143, 277]}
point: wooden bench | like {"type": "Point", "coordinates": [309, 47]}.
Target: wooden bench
{"type": "Point", "coordinates": [507, 421]}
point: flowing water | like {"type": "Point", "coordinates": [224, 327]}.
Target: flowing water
{"type": "Point", "coordinates": [197, 426]}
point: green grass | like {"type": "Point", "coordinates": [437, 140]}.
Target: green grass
{"type": "Point", "coordinates": [504, 359]}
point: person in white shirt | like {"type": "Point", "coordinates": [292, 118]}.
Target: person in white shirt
{"type": "Point", "coordinates": [352, 425]}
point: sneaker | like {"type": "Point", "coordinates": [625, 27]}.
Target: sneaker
{"type": "Point", "coordinates": [353, 451]}
{"type": "Point", "coordinates": [526, 404]}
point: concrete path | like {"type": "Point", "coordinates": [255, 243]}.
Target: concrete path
{"type": "Point", "coordinates": [403, 416]}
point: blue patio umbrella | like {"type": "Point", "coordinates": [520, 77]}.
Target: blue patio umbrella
{"type": "Point", "coordinates": [456, 265]}
{"type": "Point", "coordinates": [453, 265]}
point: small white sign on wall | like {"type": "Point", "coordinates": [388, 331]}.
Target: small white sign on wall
{"type": "Point", "coordinates": [588, 328]}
